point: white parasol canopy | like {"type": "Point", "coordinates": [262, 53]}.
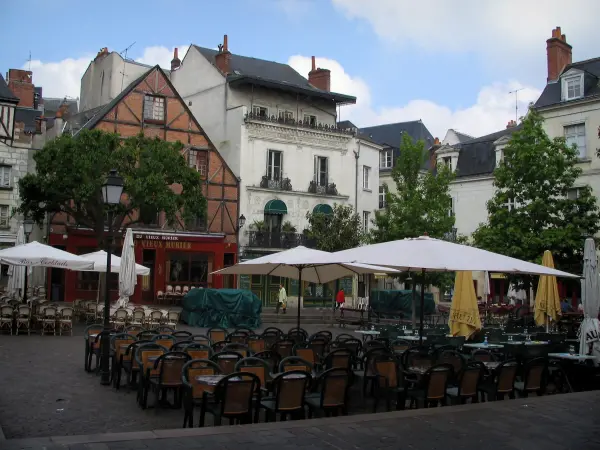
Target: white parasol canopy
{"type": "Point", "coordinates": [99, 260]}
{"type": "Point", "coordinates": [590, 295]}
{"type": "Point", "coordinates": [127, 274]}
{"type": "Point", "coordinates": [41, 255]}
{"type": "Point", "coordinates": [16, 274]}
{"type": "Point", "coordinates": [435, 255]}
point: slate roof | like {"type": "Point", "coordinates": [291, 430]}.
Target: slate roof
{"type": "Point", "coordinates": [6, 95]}
{"type": "Point", "coordinates": [391, 134]}
{"type": "Point", "coordinates": [478, 156]}
{"type": "Point", "coordinates": [462, 137]}
{"type": "Point", "coordinates": [51, 106]}
{"type": "Point", "coordinates": [346, 125]}
{"type": "Point", "coordinates": [591, 67]}
{"type": "Point", "coordinates": [270, 74]}
{"type": "Point", "coordinates": [28, 117]}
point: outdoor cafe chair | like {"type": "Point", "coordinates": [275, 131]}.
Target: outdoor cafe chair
{"type": "Point", "coordinates": [6, 318]}
{"type": "Point", "coordinates": [226, 360]}
{"type": "Point", "coordinates": [534, 378]}
{"type": "Point", "coordinates": [165, 329]}
{"type": "Point", "coordinates": [238, 337]}
{"type": "Point", "coordinates": [155, 319]}
{"type": "Point", "coordinates": [138, 317]}
{"type": "Point", "coordinates": [128, 363]}
{"type": "Point", "coordinates": [483, 355]}
{"type": "Point", "coordinates": [120, 319]}
{"type": "Point", "coordinates": [432, 387]}
{"type": "Point", "coordinates": [172, 319]}
{"type": "Point", "coordinates": [340, 358]}
{"type": "Point", "coordinates": [49, 320]}
{"type": "Point", "coordinates": [119, 343]}
{"type": "Point", "coordinates": [399, 346]}
{"type": "Point", "coordinates": [256, 344]}
{"type": "Point", "coordinates": [467, 383]}
{"type": "Point", "coordinates": [289, 395]}
{"type": "Point", "coordinates": [353, 344]}
{"type": "Point", "coordinates": [89, 335]}
{"type": "Point", "coordinates": [234, 399]}
{"type": "Point", "coordinates": [182, 335]}
{"type": "Point", "coordinates": [169, 367]}
{"type": "Point", "coordinates": [238, 348]}
{"type": "Point", "coordinates": [366, 368]}
{"type": "Point", "coordinates": [500, 383]}
{"type": "Point", "coordinates": [306, 352]}
{"type": "Point", "coordinates": [284, 347]}
{"type": "Point", "coordinates": [452, 357]}
{"type": "Point", "coordinates": [95, 348]}
{"type": "Point", "coordinates": [134, 330]}
{"type": "Point", "coordinates": [217, 334]}
{"type": "Point", "coordinates": [193, 390]}
{"type": "Point", "coordinates": [198, 351]}
{"type": "Point", "coordinates": [322, 334]}
{"type": "Point", "coordinates": [333, 386]}
{"type": "Point", "coordinates": [246, 330]}
{"type": "Point", "coordinates": [296, 363]}
{"type": "Point", "coordinates": [147, 368]}
{"type": "Point", "coordinates": [166, 340]}
{"type": "Point", "coordinates": [343, 336]}
{"type": "Point", "coordinates": [297, 335]}
{"type": "Point", "coordinates": [319, 346]}
{"type": "Point", "coordinates": [258, 367]}
{"type": "Point", "coordinates": [147, 334]}
{"type": "Point", "coordinates": [201, 339]}
{"type": "Point", "coordinates": [23, 319]}
{"type": "Point", "coordinates": [389, 381]}
{"type": "Point", "coordinates": [91, 313]}
{"type": "Point", "coordinates": [218, 346]}
{"type": "Point", "coordinates": [271, 358]}
{"type": "Point", "coordinates": [65, 320]}
{"type": "Point", "coordinates": [271, 335]}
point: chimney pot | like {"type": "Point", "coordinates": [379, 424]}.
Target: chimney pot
{"type": "Point", "coordinates": [559, 54]}
{"type": "Point", "coordinates": [225, 46]}
{"type": "Point", "coordinates": [223, 58]}
{"type": "Point", "coordinates": [314, 65]}
{"type": "Point", "coordinates": [175, 62]}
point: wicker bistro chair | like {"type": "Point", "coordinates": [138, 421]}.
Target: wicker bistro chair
{"type": "Point", "coordinates": [119, 343]}
{"type": "Point", "coordinates": [90, 334]}
{"type": "Point", "coordinates": [49, 320]}
{"type": "Point", "coordinates": [172, 319]}
{"type": "Point", "coordinates": [285, 347]}
{"type": "Point", "coordinates": [23, 319]}
{"type": "Point", "coordinates": [389, 381]}
{"type": "Point", "coordinates": [234, 398]}
{"type": "Point", "coordinates": [169, 366]}
{"type": "Point", "coordinates": [289, 395]}
{"type": "Point", "coordinates": [120, 319]}
{"type": "Point", "coordinates": [193, 390]}
{"type": "Point", "coordinates": [198, 351]}
{"type": "Point", "coordinates": [65, 320]}
{"type": "Point", "coordinates": [134, 330]}
{"type": "Point", "coordinates": [467, 383]}
{"type": "Point", "coordinates": [258, 367]}
{"type": "Point", "coordinates": [143, 357]}
{"type": "Point", "coordinates": [535, 374]}
{"type": "Point", "coordinates": [217, 334]}
{"type": "Point", "coordinates": [91, 313]}
{"type": "Point", "coordinates": [238, 348]}
{"type": "Point", "coordinates": [6, 318]}
{"type": "Point", "coordinates": [128, 363]}
{"type": "Point", "coordinates": [138, 317]}
{"type": "Point", "coordinates": [334, 385]}
{"type": "Point", "coordinates": [432, 388]}
{"type": "Point", "coordinates": [155, 319]}
{"type": "Point", "coordinates": [182, 335]}
{"type": "Point", "coordinates": [226, 361]}
{"type": "Point", "coordinates": [501, 382]}
{"type": "Point", "coordinates": [166, 340]}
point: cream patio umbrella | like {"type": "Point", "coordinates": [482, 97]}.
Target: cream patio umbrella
{"type": "Point", "coordinates": [464, 317]}
{"type": "Point", "coordinates": [547, 300]}
{"type": "Point", "coordinates": [301, 263]}
{"type": "Point", "coordinates": [589, 331]}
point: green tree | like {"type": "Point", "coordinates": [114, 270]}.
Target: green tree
{"type": "Point", "coordinates": [533, 209]}
{"type": "Point", "coordinates": [340, 231]}
{"type": "Point", "coordinates": [70, 172]}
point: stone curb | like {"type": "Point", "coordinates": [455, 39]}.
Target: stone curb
{"type": "Point", "coordinates": [254, 428]}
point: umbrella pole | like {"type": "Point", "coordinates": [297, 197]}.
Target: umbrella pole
{"type": "Point", "coordinates": [299, 296]}
{"type": "Point", "coordinates": [421, 315]}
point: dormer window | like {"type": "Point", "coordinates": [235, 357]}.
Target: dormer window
{"type": "Point", "coordinates": [572, 86]}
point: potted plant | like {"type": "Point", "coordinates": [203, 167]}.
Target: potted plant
{"type": "Point", "coordinates": [312, 187]}
{"type": "Point", "coordinates": [286, 184]}
{"type": "Point", "coordinates": [264, 182]}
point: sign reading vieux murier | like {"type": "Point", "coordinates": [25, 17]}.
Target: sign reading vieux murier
{"type": "Point", "coordinates": [161, 241]}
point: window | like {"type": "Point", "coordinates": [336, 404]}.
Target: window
{"type": "Point", "coordinates": [385, 159]}
{"type": "Point", "coordinates": [451, 210]}
{"type": "Point", "coordinates": [4, 216]}
{"type": "Point", "coordinates": [197, 224]}
{"type": "Point", "coordinates": [510, 204]}
{"type": "Point", "coordinates": [366, 220]}
{"type": "Point", "coordinates": [198, 159]}
{"type": "Point", "coordinates": [575, 134]}
{"type": "Point", "coordinates": [366, 177]}
{"type": "Point", "coordinates": [447, 161]}
{"type": "Point", "coordinates": [154, 108]}
{"type": "Point", "coordinates": [186, 268]}
{"type": "Point", "coordinates": [260, 111]}
{"type": "Point", "coordinates": [321, 170]}
{"type": "Point", "coordinates": [5, 175]}
{"type": "Point", "coordinates": [149, 215]}
{"type": "Point", "coordinates": [573, 87]}
{"type": "Point", "coordinates": [382, 192]}
{"type": "Point", "coordinates": [286, 115]}
{"type": "Point", "coordinates": [309, 119]}
{"type": "Point", "coordinates": [275, 165]}
{"type": "Point", "coordinates": [573, 194]}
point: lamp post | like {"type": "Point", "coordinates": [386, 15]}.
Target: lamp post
{"type": "Point", "coordinates": [27, 228]}
{"type": "Point", "coordinates": [111, 194]}
{"type": "Point", "coordinates": [240, 224]}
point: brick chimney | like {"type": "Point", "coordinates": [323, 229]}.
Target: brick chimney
{"type": "Point", "coordinates": [436, 141]}
{"type": "Point", "coordinates": [102, 53]}
{"type": "Point", "coordinates": [511, 124]}
{"type": "Point", "coordinates": [63, 110]}
{"type": "Point", "coordinates": [319, 78]}
{"type": "Point", "coordinates": [223, 58]}
{"type": "Point", "coordinates": [175, 62]}
{"type": "Point", "coordinates": [559, 54]}
{"type": "Point", "coordinates": [20, 82]}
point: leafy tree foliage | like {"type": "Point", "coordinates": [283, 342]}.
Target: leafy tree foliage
{"type": "Point", "coordinates": [340, 231]}
{"type": "Point", "coordinates": [71, 172]}
{"type": "Point", "coordinates": [532, 209]}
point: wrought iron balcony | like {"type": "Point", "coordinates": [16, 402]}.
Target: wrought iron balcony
{"type": "Point", "coordinates": [451, 235]}
{"type": "Point", "coordinates": [278, 240]}
{"type": "Point", "coordinates": [322, 188]}
{"type": "Point", "coordinates": [280, 185]}
{"type": "Point", "coordinates": [299, 123]}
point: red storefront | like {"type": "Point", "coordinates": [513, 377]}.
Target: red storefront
{"type": "Point", "coordinates": [175, 259]}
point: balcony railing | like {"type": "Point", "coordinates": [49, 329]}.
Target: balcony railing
{"type": "Point", "coordinates": [451, 235]}
{"type": "Point", "coordinates": [278, 240]}
{"type": "Point", "coordinates": [280, 185]}
{"type": "Point", "coordinates": [300, 124]}
{"type": "Point", "coordinates": [322, 188]}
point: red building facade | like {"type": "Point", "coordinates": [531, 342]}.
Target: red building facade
{"type": "Point", "coordinates": [176, 257]}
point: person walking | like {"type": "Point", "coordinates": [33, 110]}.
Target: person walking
{"type": "Point", "coordinates": [282, 300]}
{"type": "Point", "coordinates": [340, 298]}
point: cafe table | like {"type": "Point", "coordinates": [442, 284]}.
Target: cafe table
{"type": "Point", "coordinates": [483, 345]}
{"type": "Point", "coordinates": [367, 333]}
{"type": "Point", "coordinates": [573, 357]}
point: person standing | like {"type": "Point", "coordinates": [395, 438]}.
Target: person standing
{"type": "Point", "coordinates": [340, 298]}
{"type": "Point", "coordinates": [282, 300]}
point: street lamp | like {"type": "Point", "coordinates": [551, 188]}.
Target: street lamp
{"type": "Point", "coordinates": [111, 194]}
{"type": "Point", "coordinates": [27, 228]}
{"type": "Point", "coordinates": [241, 221]}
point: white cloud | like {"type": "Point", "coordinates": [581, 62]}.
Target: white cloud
{"type": "Point", "coordinates": [294, 9]}
{"type": "Point", "coordinates": [161, 55]}
{"type": "Point", "coordinates": [490, 111]}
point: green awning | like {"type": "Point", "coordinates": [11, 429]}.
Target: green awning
{"type": "Point", "coordinates": [275, 207]}
{"type": "Point", "coordinates": [323, 208]}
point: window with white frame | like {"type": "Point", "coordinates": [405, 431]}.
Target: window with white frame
{"type": "Point", "coordinates": [382, 192]}
{"type": "Point", "coordinates": [574, 193]}
{"type": "Point", "coordinates": [573, 87]}
{"type": "Point", "coordinates": [154, 108]}
{"type": "Point", "coordinates": [366, 177]}
{"type": "Point", "coordinates": [5, 176]}
{"type": "Point", "coordinates": [310, 119]}
{"type": "Point", "coordinates": [275, 165]}
{"type": "Point", "coordinates": [4, 216]}
{"type": "Point", "coordinates": [385, 159]}
{"type": "Point", "coordinates": [510, 204]}
{"type": "Point", "coordinates": [260, 111]}
{"type": "Point", "coordinates": [321, 170]}
{"type": "Point", "coordinates": [575, 134]}
{"type": "Point", "coordinates": [447, 161]}
{"type": "Point", "coordinates": [366, 220]}
{"type": "Point", "coordinates": [198, 159]}
{"type": "Point", "coordinates": [285, 115]}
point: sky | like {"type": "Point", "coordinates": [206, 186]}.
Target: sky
{"type": "Point", "coordinates": [451, 64]}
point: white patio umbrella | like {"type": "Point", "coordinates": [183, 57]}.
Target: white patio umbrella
{"type": "Point", "coordinates": [427, 254]}
{"type": "Point", "coordinates": [41, 255]}
{"type": "Point", "coordinates": [589, 331]}
{"type": "Point", "coordinates": [16, 274]}
{"type": "Point", "coordinates": [301, 263]}
{"type": "Point", "coordinates": [486, 287]}
{"type": "Point", "coordinates": [127, 274]}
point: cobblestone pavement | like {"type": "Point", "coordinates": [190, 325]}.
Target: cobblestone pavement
{"type": "Point", "coordinates": [570, 421]}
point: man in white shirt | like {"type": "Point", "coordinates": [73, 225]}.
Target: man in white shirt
{"type": "Point", "coordinates": [282, 300]}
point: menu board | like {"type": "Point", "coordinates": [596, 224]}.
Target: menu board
{"type": "Point", "coordinates": [346, 285]}
{"type": "Point", "coordinates": [245, 282]}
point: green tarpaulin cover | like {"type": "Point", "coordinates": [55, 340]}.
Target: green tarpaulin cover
{"type": "Point", "coordinates": [227, 308]}
{"type": "Point", "coordinates": [390, 302]}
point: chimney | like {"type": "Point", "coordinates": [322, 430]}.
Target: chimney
{"type": "Point", "coordinates": [20, 82]}
{"type": "Point", "coordinates": [223, 58]}
{"type": "Point", "coordinates": [63, 110]}
{"type": "Point", "coordinates": [319, 78]}
{"type": "Point", "coordinates": [436, 141]}
{"type": "Point", "coordinates": [559, 54]}
{"type": "Point", "coordinates": [102, 53]}
{"type": "Point", "coordinates": [511, 124]}
{"type": "Point", "coordinates": [175, 62]}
